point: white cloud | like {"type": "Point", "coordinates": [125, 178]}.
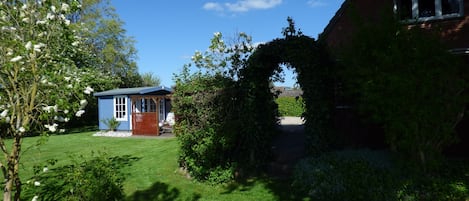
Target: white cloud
{"type": "Point", "coordinates": [242, 5]}
{"type": "Point", "coordinates": [316, 3]}
{"type": "Point", "coordinates": [213, 6]}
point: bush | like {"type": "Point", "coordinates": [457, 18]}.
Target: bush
{"type": "Point", "coordinates": [111, 123]}
{"type": "Point", "coordinates": [290, 106]}
{"type": "Point", "coordinates": [95, 179]}
{"type": "Point", "coordinates": [451, 183]}
{"type": "Point", "coordinates": [407, 81]}
{"type": "Point", "coordinates": [354, 175]}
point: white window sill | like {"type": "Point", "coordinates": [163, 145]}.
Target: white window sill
{"type": "Point", "coordinates": [432, 18]}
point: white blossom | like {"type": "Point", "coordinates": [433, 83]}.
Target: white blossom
{"type": "Point", "coordinates": [17, 58]}
{"type": "Point", "coordinates": [25, 19]}
{"type": "Point", "coordinates": [41, 22]}
{"type": "Point", "coordinates": [24, 6]}
{"type": "Point", "coordinates": [53, 8]}
{"type": "Point", "coordinates": [66, 111]}
{"type": "Point", "coordinates": [88, 90]}
{"type": "Point", "coordinates": [35, 198]}
{"type": "Point", "coordinates": [67, 22]}
{"type": "Point", "coordinates": [83, 102]}
{"type": "Point", "coordinates": [45, 169]}
{"type": "Point", "coordinates": [67, 78]}
{"type": "Point", "coordinates": [9, 52]}
{"type": "Point", "coordinates": [21, 129]}
{"type": "Point", "coordinates": [28, 45]}
{"type": "Point", "coordinates": [79, 113]}
{"type": "Point", "coordinates": [50, 16]}
{"type": "Point", "coordinates": [38, 47]}
{"type": "Point", "coordinates": [69, 86]}
{"type": "Point", "coordinates": [75, 43]}
{"type": "Point", "coordinates": [52, 128]}
{"type": "Point", "coordinates": [36, 183]}
{"type": "Point", "coordinates": [50, 109]}
{"type": "Point", "coordinates": [61, 130]}
{"type": "Point", "coordinates": [4, 114]}
{"type": "Point", "coordinates": [65, 7]}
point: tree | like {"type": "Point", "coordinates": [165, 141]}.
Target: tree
{"type": "Point", "coordinates": [115, 51]}
{"type": "Point", "coordinates": [39, 79]}
{"type": "Point", "coordinates": [149, 79]}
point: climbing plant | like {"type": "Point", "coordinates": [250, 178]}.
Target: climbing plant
{"type": "Point", "coordinates": [309, 58]}
{"type": "Point", "coordinates": [227, 111]}
{"type": "Point", "coordinates": [408, 81]}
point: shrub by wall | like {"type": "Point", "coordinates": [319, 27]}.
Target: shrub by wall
{"type": "Point", "coordinates": [346, 175]}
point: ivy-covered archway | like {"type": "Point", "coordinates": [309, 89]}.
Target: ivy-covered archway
{"type": "Point", "coordinates": [315, 76]}
{"type": "Point", "coordinates": [226, 125]}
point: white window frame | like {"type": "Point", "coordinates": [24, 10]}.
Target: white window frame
{"type": "Point", "coordinates": [162, 110]}
{"type": "Point", "coordinates": [120, 109]}
{"type": "Point", "coordinates": [438, 11]}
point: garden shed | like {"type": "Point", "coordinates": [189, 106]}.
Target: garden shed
{"type": "Point", "coordinates": [140, 110]}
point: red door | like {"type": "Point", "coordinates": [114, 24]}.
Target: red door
{"type": "Point", "coordinates": [145, 123]}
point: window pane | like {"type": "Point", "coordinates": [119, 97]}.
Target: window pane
{"type": "Point", "coordinates": [120, 108]}
{"type": "Point", "coordinates": [426, 8]}
{"type": "Point", "coordinates": [404, 9]}
{"type": "Point", "coordinates": [450, 6]}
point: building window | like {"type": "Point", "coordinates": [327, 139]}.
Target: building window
{"type": "Point", "coordinates": [120, 108]}
{"type": "Point", "coordinates": [423, 10]}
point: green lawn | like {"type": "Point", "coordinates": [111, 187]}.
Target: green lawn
{"type": "Point", "coordinates": [154, 175]}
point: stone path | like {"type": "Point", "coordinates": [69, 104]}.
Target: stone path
{"type": "Point", "coordinates": [287, 148]}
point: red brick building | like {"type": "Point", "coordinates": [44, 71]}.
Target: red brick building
{"type": "Point", "coordinates": [449, 18]}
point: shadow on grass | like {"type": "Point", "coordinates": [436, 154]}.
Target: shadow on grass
{"type": "Point", "coordinates": [160, 192]}
{"type": "Point", "coordinates": [280, 187]}
{"type": "Point", "coordinates": [80, 129]}
{"type": "Point", "coordinates": [288, 148]}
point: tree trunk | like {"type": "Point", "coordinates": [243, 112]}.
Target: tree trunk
{"type": "Point", "coordinates": [7, 190]}
{"type": "Point", "coordinates": [12, 177]}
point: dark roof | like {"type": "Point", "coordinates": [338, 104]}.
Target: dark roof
{"type": "Point", "coordinates": [335, 18]}
{"type": "Point", "coordinates": [159, 90]}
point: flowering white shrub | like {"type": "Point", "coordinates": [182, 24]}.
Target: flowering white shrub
{"type": "Point", "coordinates": [39, 80]}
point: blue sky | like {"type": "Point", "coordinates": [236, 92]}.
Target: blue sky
{"type": "Point", "coordinates": [167, 33]}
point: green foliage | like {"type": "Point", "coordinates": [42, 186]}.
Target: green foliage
{"type": "Point", "coordinates": [354, 175]}
{"type": "Point", "coordinates": [111, 123]}
{"type": "Point", "coordinates": [98, 178]}
{"type": "Point", "coordinates": [316, 77]}
{"type": "Point", "coordinates": [149, 79]}
{"type": "Point", "coordinates": [206, 147]}
{"type": "Point", "coordinates": [290, 106]}
{"type": "Point", "coordinates": [42, 52]}
{"type": "Point", "coordinates": [227, 113]}
{"type": "Point", "coordinates": [212, 119]}
{"type": "Point", "coordinates": [450, 182]}
{"type": "Point", "coordinates": [371, 175]}
{"type": "Point", "coordinates": [406, 80]}
{"type": "Point", "coordinates": [114, 52]}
